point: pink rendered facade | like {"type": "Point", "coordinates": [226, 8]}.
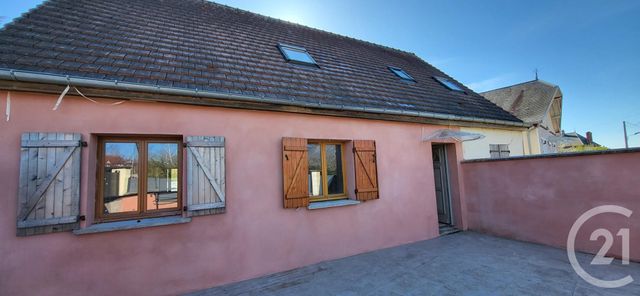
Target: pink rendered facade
{"type": "Point", "coordinates": [256, 235]}
{"type": "Point", "coordinates": [538, 200]}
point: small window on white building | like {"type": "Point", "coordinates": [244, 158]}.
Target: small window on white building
{"type": "Point", "coordinates": [499, 150]}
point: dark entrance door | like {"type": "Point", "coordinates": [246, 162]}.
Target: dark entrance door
{"type": "Point", "coordinates": [441, 176]}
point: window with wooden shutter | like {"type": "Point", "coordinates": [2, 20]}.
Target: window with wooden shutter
{"type": "Point", "coordinates": [205, 175]}
{"type": "Point", "coordinates": [366, 171]}
{"type": "Point", "coordinates": [327, 180]}
{"type": "Point", "coordinates": [295, 167]}
{"type": "Point", "coordinates": [49, 192]}
{"type": "Point", "coordinates": [138, 177]}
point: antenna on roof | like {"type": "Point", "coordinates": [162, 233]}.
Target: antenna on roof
{"type": "Point", "coordinates": [536, 70]}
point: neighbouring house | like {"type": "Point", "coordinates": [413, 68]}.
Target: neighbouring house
{"type": "Point", "coordinates": [537, 103]}
{"type": "Point", "coordinates": [574, 142]}
{"type": "Point", "coordinates": [495, 142]}
{"type": "Point", "coordinates": [160, 147]}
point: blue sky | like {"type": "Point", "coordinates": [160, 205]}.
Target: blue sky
{"type": "Point", "coordinates": [591, 49]}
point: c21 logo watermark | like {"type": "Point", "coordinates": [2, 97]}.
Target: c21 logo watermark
{"type": "Point", "coordinates": [600, 258]}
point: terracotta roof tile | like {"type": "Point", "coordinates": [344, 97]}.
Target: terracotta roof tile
{"type": "Point", "coordinates": [199, 44]}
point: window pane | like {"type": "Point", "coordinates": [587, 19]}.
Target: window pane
{"type": "Point", "coordinates": [298, 55]}
{"type": "Point", "coordinates": [315, 170]}
{"type": "Point", "coordinates": [162, 176]}
{"type": "Point", "coordinates": [334, 169]}
{"type": "Point", "coordinates": [452, 86]}
{"type": "Point", "coordinates": [120, 182]}
{"type": "Point", "coordinates": [402, 74]}
{"type": "Point", "coordinates": [448, 83]}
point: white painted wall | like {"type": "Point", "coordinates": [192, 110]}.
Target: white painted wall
{"type": "Point", "coordinates": [480, 148]}
{"type": "Point", "coordinates": [546, 146]}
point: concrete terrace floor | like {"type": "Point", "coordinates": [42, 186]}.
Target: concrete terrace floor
{"type": "Point", "coordinates": [465, 263]}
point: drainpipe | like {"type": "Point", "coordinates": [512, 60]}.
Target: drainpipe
{"type": "Point", "coordinates": [529, 137]}
{"type": "Point", "coordinates": [47, 78]}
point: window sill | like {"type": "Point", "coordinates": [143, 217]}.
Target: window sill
{"type": "Point", "coordinates": [131, 224]}
{"type": "Point", "coordinates": [331, 203]}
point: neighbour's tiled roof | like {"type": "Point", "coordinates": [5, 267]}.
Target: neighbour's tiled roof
{"type": "Point", "coordinates": [528, 101]}
{"type": "Point", "coordinates": [571, 139]}
{"type": "Point", "coordinates": [198, 44]}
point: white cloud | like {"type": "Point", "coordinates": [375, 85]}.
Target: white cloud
{"type": "Point", "coordinates": [441, 62]}
{"type": "Point", "coordinates": [490, 83]}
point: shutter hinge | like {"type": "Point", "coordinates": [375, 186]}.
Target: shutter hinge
{"type": "Point", "coordinates": [184, 209]}
{"type": "Point", "coordinates": [356, 191]}
{"type": "Point", "coordinates": [353, 149]}
{"type": "Point", "coordinates": [84, 143]}
{"type": "Point", "coordinates": [184, 144]}
{"type": "Point", "coordinates": [82, 218]}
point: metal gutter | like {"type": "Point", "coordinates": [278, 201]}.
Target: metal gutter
{"type": "Point", "coordinates": [48, 78]}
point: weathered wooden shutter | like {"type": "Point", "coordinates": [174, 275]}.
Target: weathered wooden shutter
{"type": "Point", "coordinates": [49, 193]}
{"type": "Point", "coordinates": [205, 175]}
{"type": "Point", "coordinates": [295, 168]}
{"type": "Point", "coordinates": [499, 150]}
{"type": "Point", "coordinates": [494, 150]}
{"type": "Point", "coordinates": [366, 170]}
{"type": "Point", "coordinates": [504, 150]}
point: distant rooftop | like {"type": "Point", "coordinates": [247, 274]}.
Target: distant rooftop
{"type": "Point", "coordinates": [530, 101]}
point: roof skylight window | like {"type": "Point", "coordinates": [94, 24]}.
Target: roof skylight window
{"type": "Point", "coordinates": [448, 83]}
{"type": "Point", "coordinates": [401, 73]}
{"type": "Point", "coordinates": [296, 54]}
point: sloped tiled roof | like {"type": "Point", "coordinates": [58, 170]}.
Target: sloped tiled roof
{"type": "Point", "coordinates": [198, 44]}
{"type": "Point", "coordinates": [528, 101]}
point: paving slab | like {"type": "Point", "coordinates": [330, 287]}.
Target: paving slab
{"type": "Point", "coordinates": [465, 263]}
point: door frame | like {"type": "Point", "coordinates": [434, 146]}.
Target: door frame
{"type": "Point", "coordinates": [447, 180]}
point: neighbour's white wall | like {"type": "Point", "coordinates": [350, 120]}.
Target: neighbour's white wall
{"type": "Point", "coordinates": [546, 146]}
{"type": "Point", "coordinates": [547, 122]}
{"type": "Point", "coordinates": [531, 141]}
{"type": "Point", "coordinates": [480, 148]}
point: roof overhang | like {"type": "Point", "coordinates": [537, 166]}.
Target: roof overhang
{"type": "Point", "coordinates": [51, 83]}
